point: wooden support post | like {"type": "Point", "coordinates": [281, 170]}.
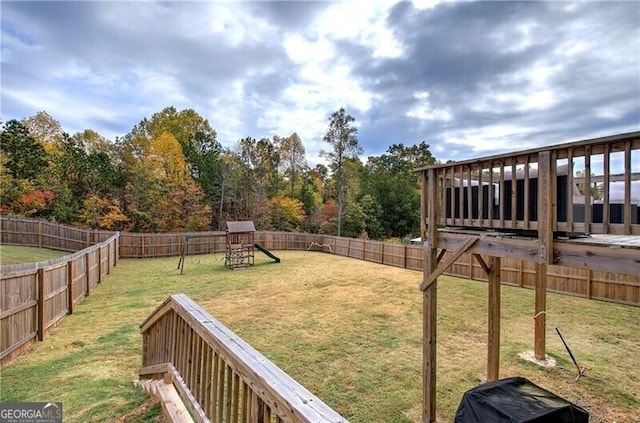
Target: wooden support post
{"type": "Point", "coordinates": [70, 286]}
{"type": "Point", "coordinates": [540, 315]}
{"type": "Point", "coordinates": [39, 234]}
{"type": "Point", "coordinates": [41, 295]}
{"type": "Point", "coordinates": [493, 341]}
{"type": "Point", "coordinates": [546, 213]}
{"type": "Point", "coordinates": [429, 296]}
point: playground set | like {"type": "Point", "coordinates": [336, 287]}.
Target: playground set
{"type": "Point", "coordinates": [241, 245]}
{"type": "Point", "coordinates": [239, 249]}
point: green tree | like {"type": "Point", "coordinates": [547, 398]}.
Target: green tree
{"type": "Point", "coordinates": [391, 182]}
{"type": "Point", "coordinates": [25, 156]}
{"type": "Point", "coordinates": [341, 136]}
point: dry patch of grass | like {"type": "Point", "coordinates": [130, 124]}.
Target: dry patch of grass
{"type": "Point", "coordinates": [348, 330]}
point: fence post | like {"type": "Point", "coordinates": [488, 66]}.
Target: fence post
{"type": "Point", "coordinates": [39, 234]}
{"type": "Point", "coordinates": [70, 286]}
{"type": "Point", "coordinates": [382, 254]}
{"type": "Point", "coordinates": [99, 264]}
{"type": "Point", "coordinates": [116, 250]}
{"type": "Point", "coordinates": [88, 271]}
{"type": "Point", "coordinates": [108, 258]}
{"type": "Point", "coordinates": [589, 276]}
{"type": "Point", "coordinates": [405, 256]}
{"type": "Point", "coordinates": [520, 273]}
{"type": "Point", "coordinates": [41, 304]}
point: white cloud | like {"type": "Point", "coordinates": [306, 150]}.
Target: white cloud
{"type": "Point", "coordinates": [530, 89]}
{"type": "Point", "coordinates": [361, 22]}
{"type": "Point", "coordinates": [301, 51]}
{"type": "Point", "coordinates": [488, 138]}
{"type": "Point", "coordinates": [423, 110]}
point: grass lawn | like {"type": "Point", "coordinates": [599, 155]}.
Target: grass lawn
{"type": "Point", "coordinates": [348, 330]}
{"type": "Point", "coordinates": [13, 254]}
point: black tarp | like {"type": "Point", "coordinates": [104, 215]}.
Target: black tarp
{"type": "Point", "coordinates": [516, 400]}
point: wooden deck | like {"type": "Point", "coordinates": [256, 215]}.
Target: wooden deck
{"type": "Point", "coordinates": [573, 205]}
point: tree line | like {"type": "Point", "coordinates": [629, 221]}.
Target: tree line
{"type": "Point", "coordinates": [170, 174]}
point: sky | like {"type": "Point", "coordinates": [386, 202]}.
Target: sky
{"type": "Point", "coordinates": [470, 78]}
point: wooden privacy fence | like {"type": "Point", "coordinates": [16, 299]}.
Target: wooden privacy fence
{"type": "Point", "coordinates": [605, 286]}
{"type": "Point", "coordinates": [43, 234]}
{"type": "Point", "coordinates": [36, 296]}
{"type": "Point", "coordinates": [219, 376]}
{"type": "Point", "coordinates": [624, 289]}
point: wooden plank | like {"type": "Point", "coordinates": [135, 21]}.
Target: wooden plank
{"type": "Point", "coordinates": [540, 315]}
{"type": "Point", "coordinates": [444, 266]}
{"type": "Point", "coordinates": [603, 258]}
{"type": "Point", "coordinates": [545, 207]}
{"type": "Point", "coordinates": [70, 269]}
{"type": "Point", "coordinates": [605, 191]}
{"type": "Point", "coordinates": [429, 300]}
{"type": "Point", "coordinates": [627, 188]}
{"type": "Point", "coordinates": [190, 402]}
{"type": "Point", "coordinates": [514, 194]}
{"type": "Point", "coordinates": [493, 335]}
{"type": "Point", "coordinates": [41, 302]}
{"type": "Point", "coordinates": [588, 218]}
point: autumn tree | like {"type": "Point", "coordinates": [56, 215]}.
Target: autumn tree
{"type": "Point", "coordinates": [341, 136]}
{"type": "Point", "coordinates": [284, 214]}
{"type": "Point", "coordinates": [43, 127]}
{"type": "Point", "coordinates": [159, 179]}
{"type": "Point", "coordinates": [102, 213]}
{"type": "Point", "coordinates": [292, 160]}
{"type": "Point", "coordinates": [200, 149]}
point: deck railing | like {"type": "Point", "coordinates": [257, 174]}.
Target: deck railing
{"type": "Point", "coordinates": [593, 188]}
{"type": "Point", "coordinates": [219, 376]}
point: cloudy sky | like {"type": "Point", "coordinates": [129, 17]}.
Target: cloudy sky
{"type": "Point", "coordinates": [470, 78]}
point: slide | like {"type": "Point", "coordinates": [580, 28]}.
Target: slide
{"type": "Point", "coordinates": [267, 252]}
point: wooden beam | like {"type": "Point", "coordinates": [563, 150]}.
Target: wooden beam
{"type": "Point", "coordinates": [602, 258]}
{"type": "Point", "coordinates": [569, 253]}
{"type": "Point", "coordinates": [444, 266]}
{"type": "Point", "coordinates": [493, 335]}
{"type": "Point", "coordinates": [429, 296]}
{"type": "Point", "coordinates": [499, 246]}
{"type": "Point", "coordinates": [540, 315]}
{"type": "Point", "coordinates": [483, 264]}
{"type": "Point", "coordinates": [546, 199]}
